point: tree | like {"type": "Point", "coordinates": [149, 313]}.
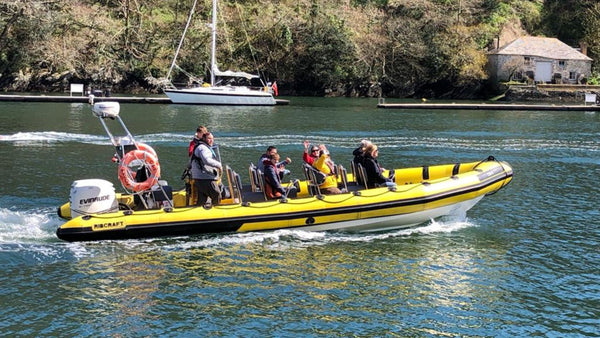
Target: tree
{"type": "Point", "coordinates": [592, 33]}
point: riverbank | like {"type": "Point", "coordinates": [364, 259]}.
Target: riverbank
{"type": "Point", "coordinates": [86, 99]}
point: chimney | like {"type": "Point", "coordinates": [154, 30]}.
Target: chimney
{"type": "Point", "coordinates": [583, 47]}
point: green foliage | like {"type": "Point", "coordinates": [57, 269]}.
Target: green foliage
{"type": "Point", "coordinates": [309, 46]}
{"type": "Point", "coordinates": [592, 33]}
{"type": "Point", "coordinates": [563, 19]}
{"type": "Point", "coordinates": [322, 57]}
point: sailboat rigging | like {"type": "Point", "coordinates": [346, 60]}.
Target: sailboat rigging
{"type": "Point", "coordinates": [213, 93]}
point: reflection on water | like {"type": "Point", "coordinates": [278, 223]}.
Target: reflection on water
{"type": "Point", "coordinates": [331, 282]}
{"type": "Point", "coordinates": [522, 263]}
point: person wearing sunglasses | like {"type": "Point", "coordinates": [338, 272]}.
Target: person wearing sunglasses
{"type": "Point", "coordinates": [310, 156]}
{"type": "Point", "coordinates": [325, 165]}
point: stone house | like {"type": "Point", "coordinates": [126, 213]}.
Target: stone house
{"type": "Point", "coordinates": [540, 59]}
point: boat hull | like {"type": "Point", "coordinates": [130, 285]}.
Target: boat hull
{"type": "Point", "coordinates": [221, 95]}
{"type": "Point", "coordinates": [448, 189]}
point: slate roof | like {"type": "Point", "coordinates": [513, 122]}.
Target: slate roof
{"type": "Point", "coordinates": [551, 48]}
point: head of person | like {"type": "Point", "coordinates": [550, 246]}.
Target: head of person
{"type": "Point", "coordinates": [274, 158]}
{"type": "Point", "coordinates": [208, 138]}
{"type": "Point", "coordinates": [200, 131]}
{"type": "Point", "coordinates": [372, 150]}
{"type": "Point", "coordinates": [313, 151]}
{"type": "Point", "coordinates": [322, 150]}
{"type": "Point", "coordinates": [271, 150]}
{"type": "Point", "coordinates": [364, 144]}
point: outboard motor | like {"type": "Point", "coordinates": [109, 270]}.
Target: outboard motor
{"type": "Point", "coordinates": [92, 196]}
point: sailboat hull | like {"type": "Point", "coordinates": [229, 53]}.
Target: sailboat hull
{"type": "Point", "coordinates": [221, 95]}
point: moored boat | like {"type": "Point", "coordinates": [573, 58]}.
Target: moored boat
{"type": "Point", "coordinates": [152, 209]}
{"type": "Point", "coordinates": [213, 92]}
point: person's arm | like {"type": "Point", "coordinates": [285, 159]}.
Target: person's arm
{"type": "Point", "coordinates": [321, 166]}
{"type": "Point", "coordinates": [374, 172]}
{"type": "Point", "coordinates": [283, 163]}
{"type": "Point", "coordinates": [207, 157]}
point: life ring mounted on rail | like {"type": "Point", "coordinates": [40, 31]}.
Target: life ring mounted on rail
{"type": "Point", "coordinates": [127, 175]}
{"type": "Point", "coordinates": [138, 146]}
{"type": "Point", "coordinates": [145, 147]}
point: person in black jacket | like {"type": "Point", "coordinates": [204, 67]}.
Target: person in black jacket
{"type": "Point", "coordinates": [360, 151]}
{"type": "Point", "coordinates": [374, 172]}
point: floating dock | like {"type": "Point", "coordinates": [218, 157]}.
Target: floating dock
{"type": "Point", "coordinates": [488, 106]}
{"type": "Point", "coordinates": [86, 99]}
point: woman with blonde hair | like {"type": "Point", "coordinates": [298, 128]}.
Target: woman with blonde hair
{"type": "Point", "coordinates": [373, 170]}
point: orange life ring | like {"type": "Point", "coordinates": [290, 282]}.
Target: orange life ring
{"type": "Point", "coordinates": [127, 175]}
{"type": "Point", "coordinates": [145, 147]}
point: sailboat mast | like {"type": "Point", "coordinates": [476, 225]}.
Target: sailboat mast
{"type": "Point", "coordinates": [213, 48]}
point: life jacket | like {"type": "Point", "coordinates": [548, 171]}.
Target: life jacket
{"type": "Point", "coordinates": [204, 168]}
{"type": "Point", "coordinates": [270, 190]}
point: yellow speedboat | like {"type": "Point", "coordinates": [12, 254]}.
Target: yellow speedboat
{"type": "Point", "coordinates": [420, 194]}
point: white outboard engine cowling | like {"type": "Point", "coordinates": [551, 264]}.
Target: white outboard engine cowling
{"type": "Point", "coordinates": [92, 196]}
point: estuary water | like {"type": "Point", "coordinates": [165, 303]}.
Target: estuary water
{"type": "Point", "coordinates": [523, 262]}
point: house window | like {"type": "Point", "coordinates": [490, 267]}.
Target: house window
{"type": "Point", "coordinates": [528, 60]}
{"type": "Point", "coordinates": [518, 76]}
{"type": "Point", "coordinates": [572, 75]}
{"type": "Point", "coordinates": [561, 64]}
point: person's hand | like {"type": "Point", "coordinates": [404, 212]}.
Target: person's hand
{"type": "Point", "coordinates": [306, 144]}
{"type": "Point", "coordinates": [288, 160]}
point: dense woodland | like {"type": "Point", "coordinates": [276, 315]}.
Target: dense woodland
{"type": "Point", "coordinates": [394, 48]}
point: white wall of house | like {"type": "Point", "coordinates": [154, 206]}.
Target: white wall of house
{"type": "Point", "coordinates": [513, 67]}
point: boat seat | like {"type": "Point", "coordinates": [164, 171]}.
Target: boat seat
{"type": "Point", "coordinates": [254, 182]}
{"type": "Point", "coordinates": [234, 186]}
{"type": "Point", "coordinates": [354, 173]}
{"type": "Point", "coordinates": [362, 175]}
{"type": "Point", "coordinates": [310, 173]}
{"type": "Point", "coordinates": [238, 180]}
{"type": "Point", "coordinates": [305, 170]}
{"type": "Point", "coordinates": [344, 175]}
{"type": "Point", "coordinates": [261, 182]}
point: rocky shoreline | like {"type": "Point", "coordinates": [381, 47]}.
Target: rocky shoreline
{"type": "Point", "coordinates": [570, 94]}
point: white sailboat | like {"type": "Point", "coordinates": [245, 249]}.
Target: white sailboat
{"type": "Point", "coordinates": [213, 93]}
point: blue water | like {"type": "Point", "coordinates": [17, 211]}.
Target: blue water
{"type": "Point", "coordinates": [522, 262]}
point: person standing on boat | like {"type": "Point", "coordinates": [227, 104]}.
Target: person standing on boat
{"type": "Point", "coordinates": [206, 170]}
{"type": "Point", "coordinates": [313, 155]}
{"type": "Point", "coordinates": [373, 170]}
{"type": "Point", "coordinates": [200, 131]}
{"type": "Point", "coordinates": [190, 187]}
{"type": "Point", "coordinates": [325, 165]}
{"type": "Point", "coordinates": [264, 158]}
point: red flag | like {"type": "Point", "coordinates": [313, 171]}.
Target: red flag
{"type": "Point", "coordinates": [274, 86]}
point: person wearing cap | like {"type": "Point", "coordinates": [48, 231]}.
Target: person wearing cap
{"type": "Point", "coordinates": [310, 156]}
